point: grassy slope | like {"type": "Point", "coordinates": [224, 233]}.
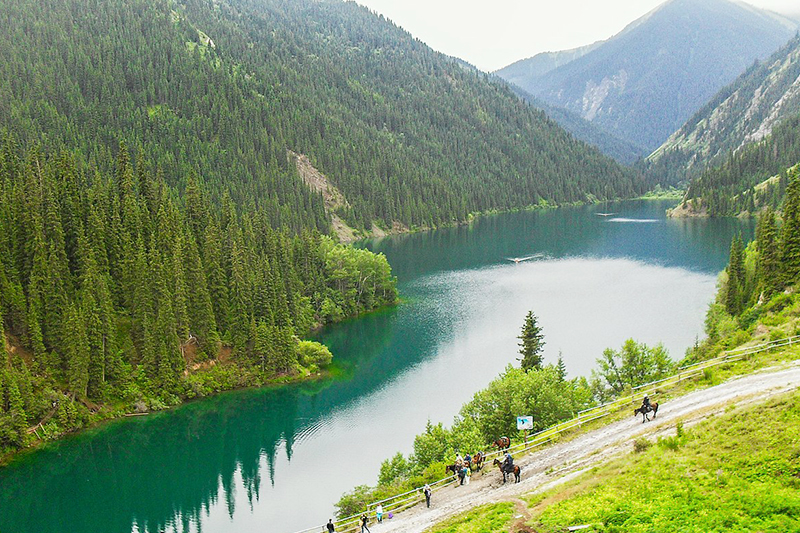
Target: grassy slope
{"type": "Point", "coordinates": [738, 472]}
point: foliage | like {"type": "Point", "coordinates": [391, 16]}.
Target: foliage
{"type": "Point", "coordinates": [532, 344]}
{"type": "Point", "coordinates": [227, 88]}
{"type": "Point", "coordinates": [736, 473]}
{"type": "Point", "coordinates": [114, 292]}
{"type": "Point", "coordinates": [634, 364]}
{"type": "Point", "coordinates": [492, 412]}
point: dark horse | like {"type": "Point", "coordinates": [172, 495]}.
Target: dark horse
{"type": "Point", "coordinates": [453, 469]}
{"type": "Point", "coordinates": [643, 411]}
{"type": "Point", "coordinates": [503, 443]}
{"type": "Point", "coordinates": [514, 469]}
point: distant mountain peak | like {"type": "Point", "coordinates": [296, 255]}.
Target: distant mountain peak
{"type": "Point", "coordinates": [644, 82]}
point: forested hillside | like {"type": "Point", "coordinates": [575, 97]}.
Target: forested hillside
{"type": "Point", "coordinates": [112, 292]}
{"type": "Point", "coordinates": [750, 179]}
{"type": "Point", "coordinates": [225, 88]}
{"type": "Point", "coordinates": [642, 84]}
{"type": "Point", "coordinates": [744, 112]}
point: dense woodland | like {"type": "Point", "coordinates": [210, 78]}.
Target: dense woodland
{"type": "Point", "coordinates": [114, 290]}
{"type": "Point", "coordinates": [227, 87]}
{"type": "Point", "coordinates": [739, 184]}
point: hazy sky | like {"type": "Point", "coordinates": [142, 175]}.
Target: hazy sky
{"type": "Point", "coordinates": [494, 33]}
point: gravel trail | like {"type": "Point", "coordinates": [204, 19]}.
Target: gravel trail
{"type": "Point", "coordinates": [557, 463]}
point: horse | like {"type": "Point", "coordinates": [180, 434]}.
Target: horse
{"type": "Point", "coordinates": [478, 459]}
{"type": "Point", "coordinates": [453, 469]}
{"type": "Point", "coordinates": [643, 411]}
{"type": "Point", "coordinates": [514, 469]}
{"type": "Point", "coordinates": [503, 443]}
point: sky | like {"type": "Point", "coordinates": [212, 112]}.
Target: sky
{"type": "Point", "coordinates": [491, 34]}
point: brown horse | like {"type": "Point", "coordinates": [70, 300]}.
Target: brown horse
{"type": "Point", "coordinates": [643, 411]}
{"type": "Point", "coordinates": [503, 443]}
{"type": "Point", "coordinates": [478, 460]}
{"type": "Point", "coordinates": [513, 470]}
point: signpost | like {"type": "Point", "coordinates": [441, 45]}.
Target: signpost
{"type": "Point", "coordinates": [525, 423]}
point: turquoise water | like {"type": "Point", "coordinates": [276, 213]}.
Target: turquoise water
{"type": "Point", "coordinates": [277, 459]}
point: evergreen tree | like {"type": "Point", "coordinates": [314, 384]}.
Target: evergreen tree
{"type": "Point", "coordinates": [532, 344]}
{"type": "Point", "coordinates": [75, 349]}
{"type": "Point", "coordinates": [769, 256]}
{"type": "Point", "coordinates": [790, 233]}
{"type": "Point", "coordinates": [561, 368]}
{"type": "Point", "coordinates": [736, 279]}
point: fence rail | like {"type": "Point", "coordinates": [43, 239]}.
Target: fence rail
{"type": "Point", "coordinates": [405, 500]}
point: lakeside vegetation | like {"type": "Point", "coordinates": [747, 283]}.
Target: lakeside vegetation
{"type": "Point", "coordinates": [118, 295]}
{"type": "Point", "coordinates": [535, 389]}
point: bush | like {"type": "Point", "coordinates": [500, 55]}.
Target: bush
{"type": "Point", "coordinates": [641, 444]}
{"type": "Point", "coordinates": [311, 353]}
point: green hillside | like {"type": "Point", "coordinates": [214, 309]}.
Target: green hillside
{"type": "Point", "coordinates": [227, 87]}
{"type": "Point", "coordinates": [750, 179]}
{"type": "Point", "coordinates": [744, 112]}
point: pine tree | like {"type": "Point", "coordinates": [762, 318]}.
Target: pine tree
{"type": "Point", "coordinates": [561, 368]}
{"type": "Point", "coordinates": [769, 257]}
{"type": "Point", "coordinates": [790, 233]}
{"type": "Point", "coordinates": [75, 349]}
{"type": "Point", "coordinates": [532, 344]}
{"type": "Point", "coordinates": [735, 288]}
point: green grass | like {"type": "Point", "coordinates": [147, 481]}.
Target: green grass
{"type": "Point", "coordinates": [483, 519]}
{"type": "Point", "coordinates": [737, 473]}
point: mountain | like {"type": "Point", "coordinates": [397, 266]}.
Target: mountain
{"type": "Point", "coordinates": [228, 88]}
{"type": "Point", "coordinates": [621, 151]}
{"type": "Point", "coordinates": [748, 180]}
{"type": "Point", "coordinates": [743, 112]}
{"type": "Point", "coordinates": [525, 71]}
{"type": "Point", "coordinates": [642, 84]}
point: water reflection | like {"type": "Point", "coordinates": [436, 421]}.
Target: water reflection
{"type": "Point", "coordinates": [277, 459]}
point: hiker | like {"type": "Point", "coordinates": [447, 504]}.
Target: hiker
{"type": "Point", "coordinates": [427, 492]}
{"type": "Point", "coordinates": [364, 521]}
{"type": "Point", "coordinates": [330, 526]}
{"type": "Point", "coordinates": [467, 473]}
{"type": "Point", "coordinates": [379, 513]}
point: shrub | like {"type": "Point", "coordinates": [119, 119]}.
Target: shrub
{"type": "Point", "coordinates": [641, 444]}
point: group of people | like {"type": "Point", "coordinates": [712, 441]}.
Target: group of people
{"type": "Point", "coordinates": [463, 468]}
{"type": "Point", "coordinates": [364, 520]}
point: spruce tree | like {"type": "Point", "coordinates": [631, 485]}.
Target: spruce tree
{"type": "Point", "coordinates": [532, 344]}
{"type": "Point", "coordinates": [790, 233]}
{"type": "Point", "coordinates": [735, 288]}
{"type": "Point", "coordinates": [769, 256]}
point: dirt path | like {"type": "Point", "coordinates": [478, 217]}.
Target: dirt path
{"type": "Point", "coordinates": [562, 461]}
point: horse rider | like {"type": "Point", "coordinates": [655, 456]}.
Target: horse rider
{"type": "Point", "coordinates": [468, 460]}
{"type": "Point", "coordinates": [646, 407]}
{"type": "Point", "coordinates": [508, 463]}
{"type": "Point", "coordinates": [459, 461]}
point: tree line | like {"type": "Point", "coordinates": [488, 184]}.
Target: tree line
{"type": "Point", "coordinates": [114, 289]}
{"type": "Point", "coordinates": [226, 88]}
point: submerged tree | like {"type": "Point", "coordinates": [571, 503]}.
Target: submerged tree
{"type": "Point", "coordinates": [532, 344]}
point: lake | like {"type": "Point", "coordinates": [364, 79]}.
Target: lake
{"type": "Point", "coordinates": [277, 459]}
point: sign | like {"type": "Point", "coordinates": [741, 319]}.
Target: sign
{"type": "Point", "coordinates": [524, 422]}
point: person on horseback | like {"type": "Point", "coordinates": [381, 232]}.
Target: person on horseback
{"type": "Point", "coordinates": [459, 461]}
{"type": "Point", "coordinates": [468, 460]}
{"type": "Point", "coordinates": [508, 463]}
{"type": "Point", "coordinates": [646, 407]}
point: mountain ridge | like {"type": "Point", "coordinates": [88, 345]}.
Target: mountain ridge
{"type": "Point", "coordinates": [644, 82]}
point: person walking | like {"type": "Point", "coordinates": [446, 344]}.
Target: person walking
{"type": "Point", "coordinates": [330, 527]}
{"type": "Point", "coordinates": [364, 521]}
{"type": "Point", "coordinates": [379, 513]}
{"type": "Point", "coordinates": [467, 473]}
{"type": "Point", "coordinates": [427, 492]}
